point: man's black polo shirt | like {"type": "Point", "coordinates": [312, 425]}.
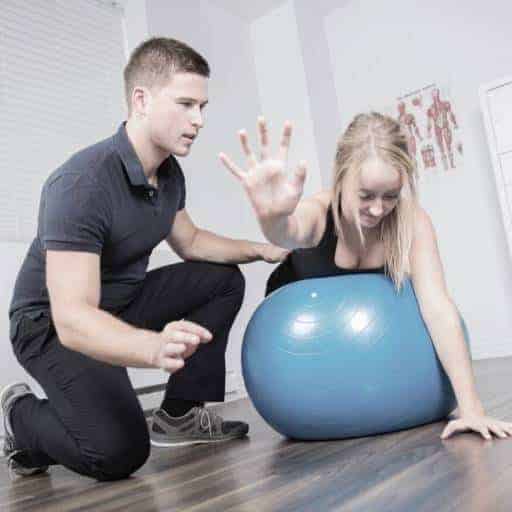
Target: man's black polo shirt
{"type": "Point", "coordinates": [100, 201]}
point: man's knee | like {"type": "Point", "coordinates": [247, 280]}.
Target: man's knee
{"type": "Point", "coordinates": [237, 280]}
{"type": "Point", "coordinates": [228, 279]}
{"type": "Point", "coordinates": [120, 456]}
{"type": "Point", "coordinates": [234, 286]}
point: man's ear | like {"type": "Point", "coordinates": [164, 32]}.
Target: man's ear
{"type": "Point", "coordinates": [140, 101]}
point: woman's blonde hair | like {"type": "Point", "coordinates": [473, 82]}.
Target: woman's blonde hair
{"type": "Point", "coordinates": [378, 136]}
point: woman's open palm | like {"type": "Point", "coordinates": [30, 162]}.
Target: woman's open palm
{"type": "Point", "coordinates": [270, 190]}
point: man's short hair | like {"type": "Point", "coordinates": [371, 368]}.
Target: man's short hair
{"type": "Point", "coordinates": [153, 61]}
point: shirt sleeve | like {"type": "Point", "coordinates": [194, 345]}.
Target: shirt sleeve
{"type": "Point", "coordinates": [180, 177]}
{"type": "Point", "coordinates": [76, 215]}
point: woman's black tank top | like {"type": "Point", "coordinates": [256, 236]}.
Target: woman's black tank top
{"type": "Point", "coordinates": [313, 262]}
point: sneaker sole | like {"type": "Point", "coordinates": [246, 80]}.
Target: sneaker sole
{"type": "Point", "coordinates": [161, 444]}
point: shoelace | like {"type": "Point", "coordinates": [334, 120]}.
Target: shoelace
{"type": "Point", "coordinates": [207, 420]}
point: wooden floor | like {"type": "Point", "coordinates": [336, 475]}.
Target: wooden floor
{"type": "Point", "coordinates": [408, 471]}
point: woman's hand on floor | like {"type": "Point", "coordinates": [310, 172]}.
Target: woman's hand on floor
{"type": "Point", "coordinates": [484, 425]}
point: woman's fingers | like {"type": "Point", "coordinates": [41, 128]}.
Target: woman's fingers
{"type": "Point", "coordinates": [284, 145]}
{"type": "Point", "coordinates": [299, 176]}
{"type": "Point", "coordinates": [498, 431]}
{"type": "Point", "coordinates": [263, 136]}
{"type": "Point", "coordinates": [244, 140]}
{"type": "Point", "coordinates": [231, 166]}
{"type": "Point", "coordinates": [485, 426]}
{"type": "Point", "coordinates": [449, 430]}
{"type": "Point", "coordinates": [282, 154]}
{"type": "Point", "coordinates": [484, 431]}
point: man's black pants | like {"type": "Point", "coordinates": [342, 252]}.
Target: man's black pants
{"type": "Point", "coordinates": [92, 421]}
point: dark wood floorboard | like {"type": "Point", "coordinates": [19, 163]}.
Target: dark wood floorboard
{"type": "Point", "coordinates": [407, 471]}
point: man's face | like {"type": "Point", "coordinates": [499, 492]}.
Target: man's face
{"type": "Point", "coordinates": [174, 112]}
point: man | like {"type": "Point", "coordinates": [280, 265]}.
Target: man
{"type": "Point", "coordinates": [84, 307]}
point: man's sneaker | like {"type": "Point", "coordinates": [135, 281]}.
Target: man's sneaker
{"type": "Point", "coordinates": [199, 425]}
{"type": "Point", "coordinates": [9, 395]}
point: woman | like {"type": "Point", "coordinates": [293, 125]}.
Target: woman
{"type": "Point", "coordinates": [370, 221]}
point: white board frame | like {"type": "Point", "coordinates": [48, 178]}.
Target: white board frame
{"type": "Point", "coordinates": [504, 190]}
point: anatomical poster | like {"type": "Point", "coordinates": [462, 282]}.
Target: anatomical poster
{"type": "Point", "coordinates": [431, 122]}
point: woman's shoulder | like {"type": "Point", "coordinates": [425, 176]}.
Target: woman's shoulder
{"type": "Point", "coordinates": [423, 228]}
{"type": "Point", "coordinates": [323, 198]}
{"type": "Point", "coordinates": [316, 204]}
{"type": "Point", "coordinates": [421, 217]}
{"type": "Point", "coordinates": [311, 213]}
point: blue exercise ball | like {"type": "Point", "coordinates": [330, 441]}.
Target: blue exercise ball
{"type": "Point", "coordinates": [343, 356]}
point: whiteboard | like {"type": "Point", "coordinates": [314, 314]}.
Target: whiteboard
{"type": "Point", "coordinates": [496, 103]}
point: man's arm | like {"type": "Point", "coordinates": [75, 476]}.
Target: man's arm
{"type": "Point", "coordinates": [73, 281]}
{"type": "Point", "coordinates": [192, 243]}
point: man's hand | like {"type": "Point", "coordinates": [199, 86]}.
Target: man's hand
{"type": "Point", "coordinates": [178, 341]}
{"type": "Point", "coordinates": [271, 253]}
{"type": "Point", "coordinates": [271, 192]}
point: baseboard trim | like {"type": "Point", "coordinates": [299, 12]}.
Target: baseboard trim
{"type": "Point", "coordinates": [151, 396]}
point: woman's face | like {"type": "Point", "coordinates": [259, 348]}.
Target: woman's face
{"type": "Point", "coordinates": [373, 193]}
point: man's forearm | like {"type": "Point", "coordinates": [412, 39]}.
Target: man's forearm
{"type": "Point", "coordinates": [208, 246]}
{"type": "Point", "coordinates": [102, 336]}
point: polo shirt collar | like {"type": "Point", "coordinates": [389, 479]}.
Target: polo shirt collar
{"type": "Point", "coordinates": [131, 161]}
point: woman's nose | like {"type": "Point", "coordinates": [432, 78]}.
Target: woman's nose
{"type": "Point", "coordinates": [376, 208]}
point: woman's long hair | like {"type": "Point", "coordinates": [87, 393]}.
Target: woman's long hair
{"type": "Point", "coordinates": [378, 136]}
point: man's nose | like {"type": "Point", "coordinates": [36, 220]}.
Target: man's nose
{"type": "Point", "coordinates": [197, 118]}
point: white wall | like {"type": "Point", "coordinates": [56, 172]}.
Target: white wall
{"type": "Point", "coordinates": [215, 200]}
{"type": "Point", "coordinates": [135, 24]}
{"type": "Point", "coordinates": [11, 258]}
{"type": "Point", "coordinates": [380, 50]}
{"type": "Point", "coordinates": [247, 80]}
{"type": "Point", "coordinates": [323, 106]}
{"type": "Point", "coordinates": [53, 144]}
{"type": "Point", "coordinates": [282, 86]}
{"type": "Point", "coordinates": [319, 66]}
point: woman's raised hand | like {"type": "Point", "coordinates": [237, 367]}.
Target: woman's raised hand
{"type": "Point", "coordinates": [270, 190]}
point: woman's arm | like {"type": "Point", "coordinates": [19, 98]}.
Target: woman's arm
{"type": "Point", "coordinates": [286, 220]}
{"type": "Point", "coordinates": [442, 320]}
{"type": "Point", "coordinates": [303, 228]}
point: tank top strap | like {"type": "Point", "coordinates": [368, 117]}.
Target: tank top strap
{"type": "Point", "coordinates": [329, 237]}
